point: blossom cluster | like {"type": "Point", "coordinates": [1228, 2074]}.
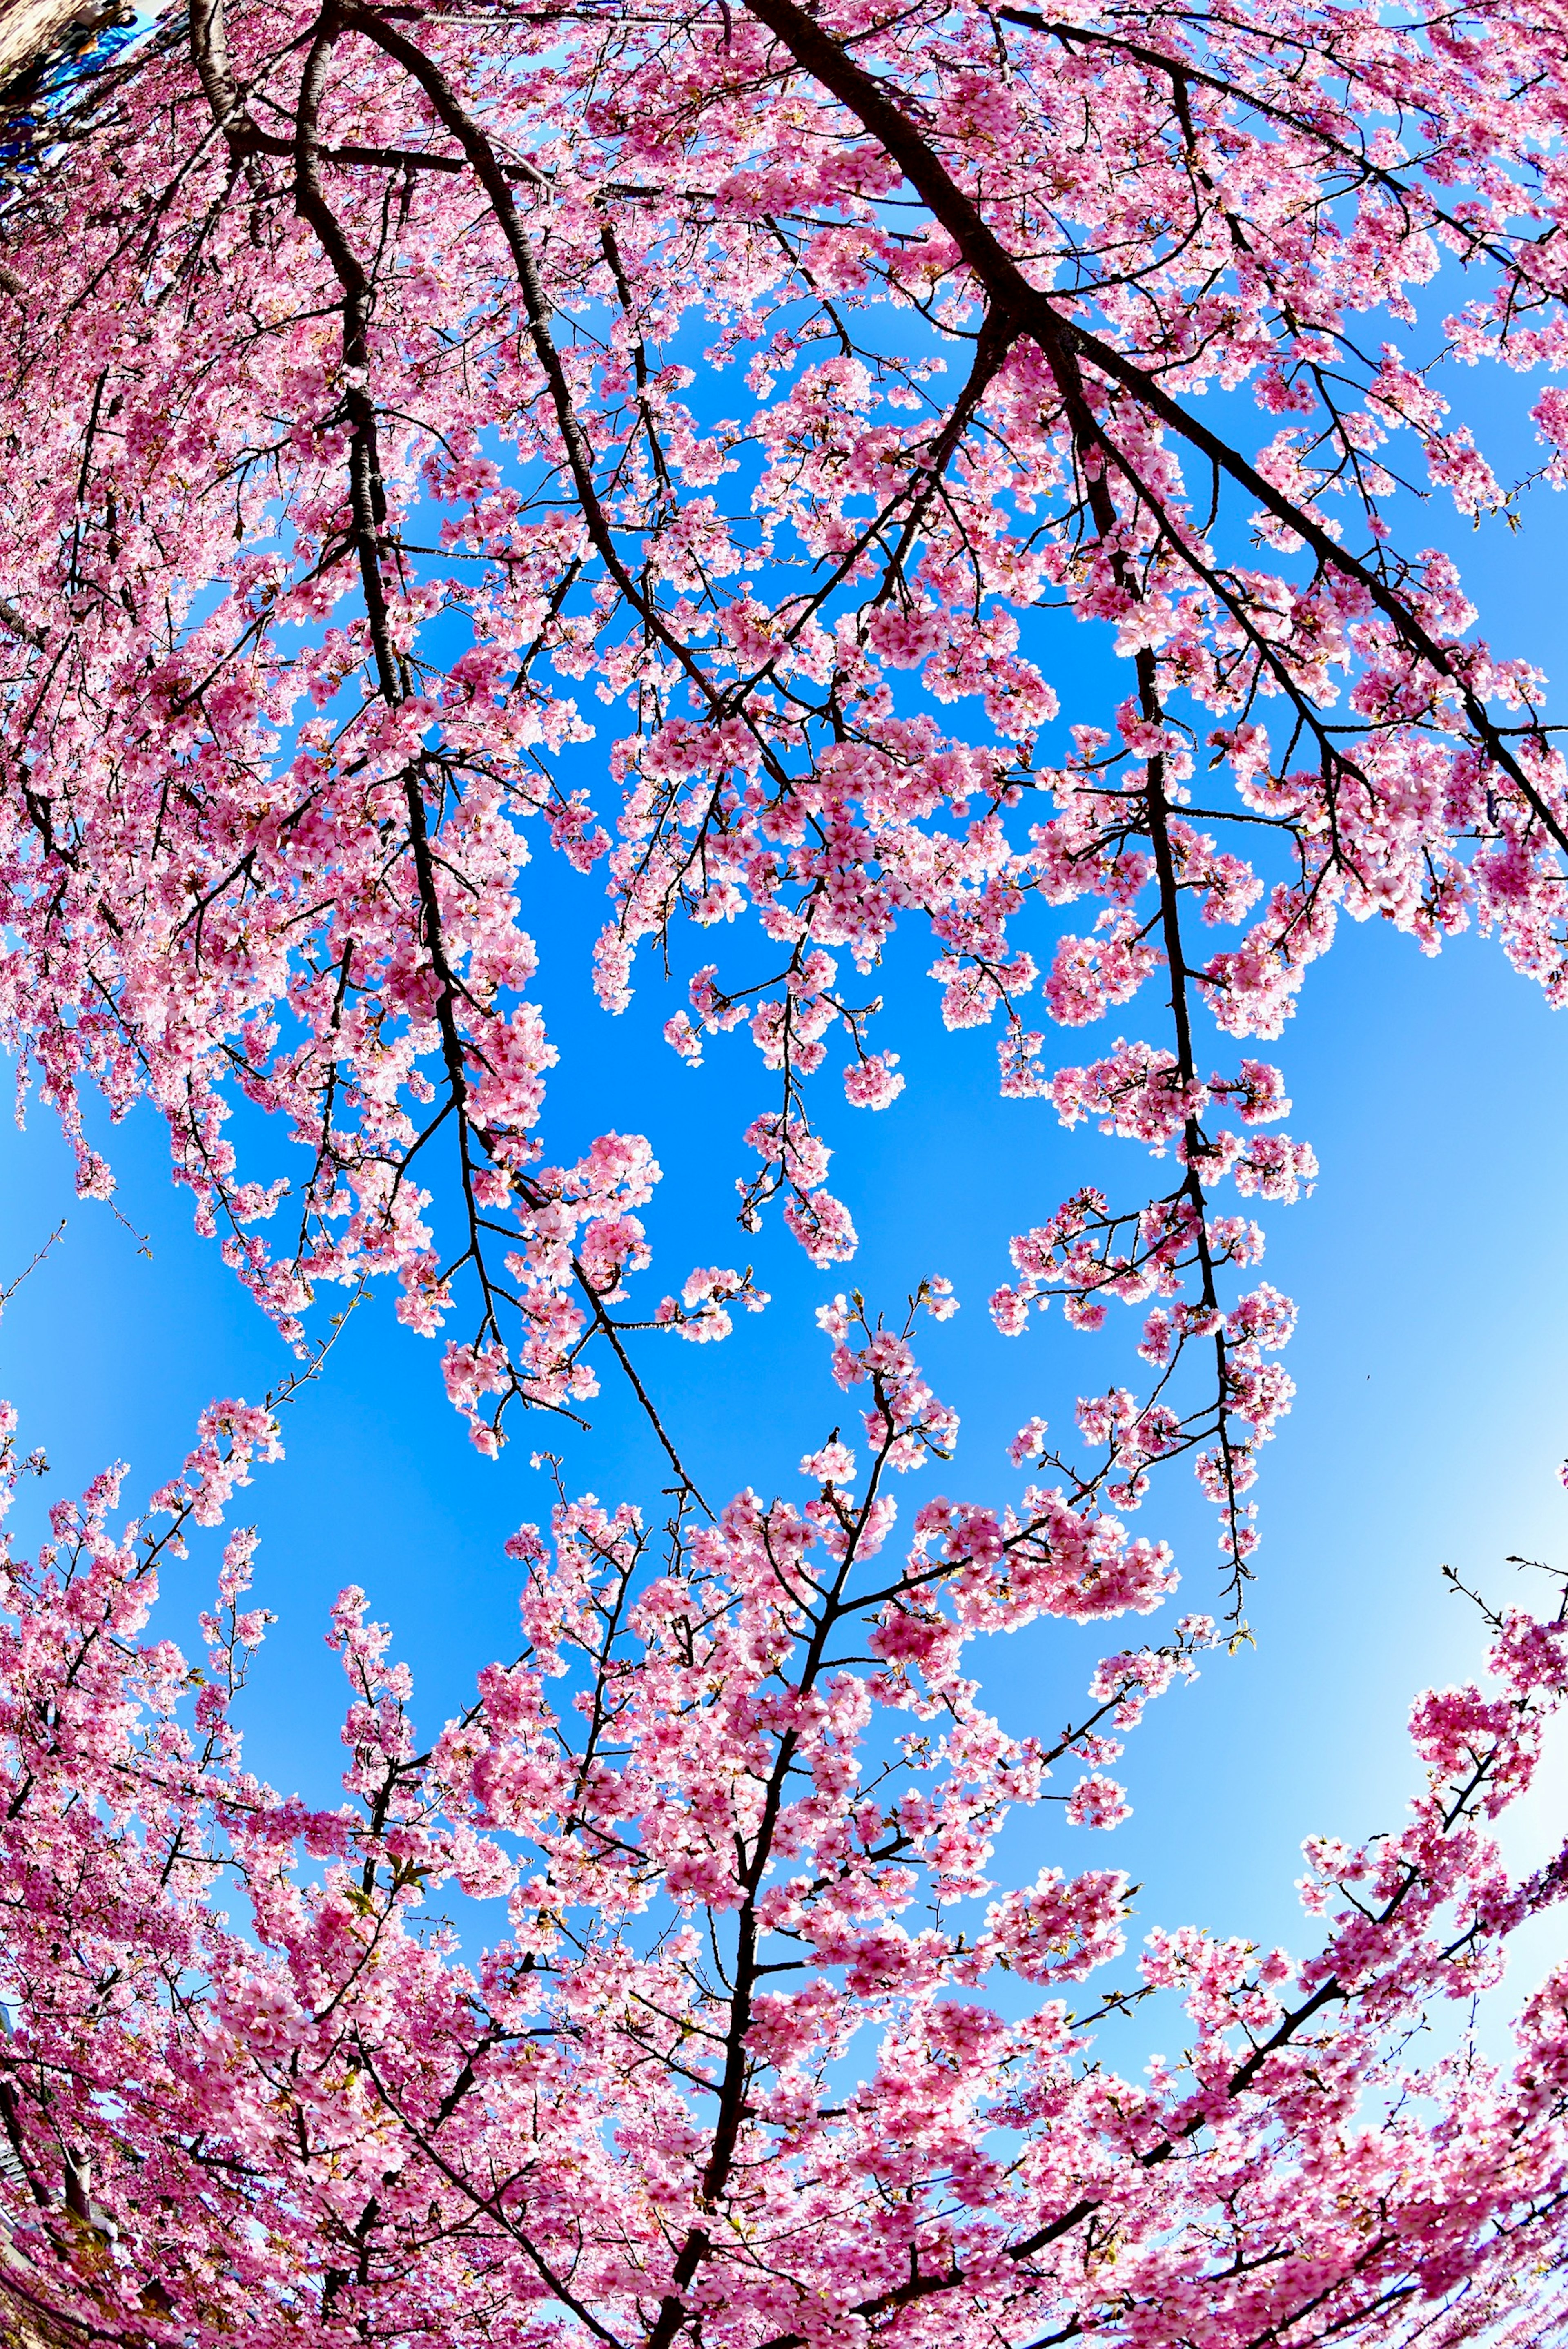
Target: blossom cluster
{"type": "Point", "coordinates": [725, 1861]}
{"type": "Point", "coordinates": [266, 837]}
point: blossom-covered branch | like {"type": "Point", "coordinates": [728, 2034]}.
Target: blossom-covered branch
{"type": "Point", "coordinates": [348, 384]}
{"type": "Point", "coordinates": [767, 2046]}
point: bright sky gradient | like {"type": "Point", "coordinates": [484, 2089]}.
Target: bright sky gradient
{"type": "Point", "coordinates": [1430, 1268]}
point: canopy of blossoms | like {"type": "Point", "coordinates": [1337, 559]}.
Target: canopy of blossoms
{"type": "Point", "coordinates": [734, 386]}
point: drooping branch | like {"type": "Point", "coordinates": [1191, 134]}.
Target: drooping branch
{"type": "Point", "coordinates": [1066, 344]}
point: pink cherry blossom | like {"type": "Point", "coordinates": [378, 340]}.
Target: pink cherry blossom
{"type": "Point", "coordinates": [738, 1981]}
{"type": "Point", "coordinates": [257, 842]}
{"type": "Point", "coordinates": [443, 441]}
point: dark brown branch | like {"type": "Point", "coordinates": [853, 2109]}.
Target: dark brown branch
{"type": "Point", "coordinates": [1065, 343]}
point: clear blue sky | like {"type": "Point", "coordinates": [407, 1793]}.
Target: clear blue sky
{"type": "Point", "coordinates": [1430, 1269]}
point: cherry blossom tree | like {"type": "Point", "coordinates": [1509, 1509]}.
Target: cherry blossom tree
{"type": "Point", "coordinates": [336, 337]}
{"type": "Point", "coordinates": [339, 335]}
{"type": "Point", "coordinates": [747, 2062]}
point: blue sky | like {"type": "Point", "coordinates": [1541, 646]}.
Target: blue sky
{"type": "Point", "coordinates": [1430, 1268]}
